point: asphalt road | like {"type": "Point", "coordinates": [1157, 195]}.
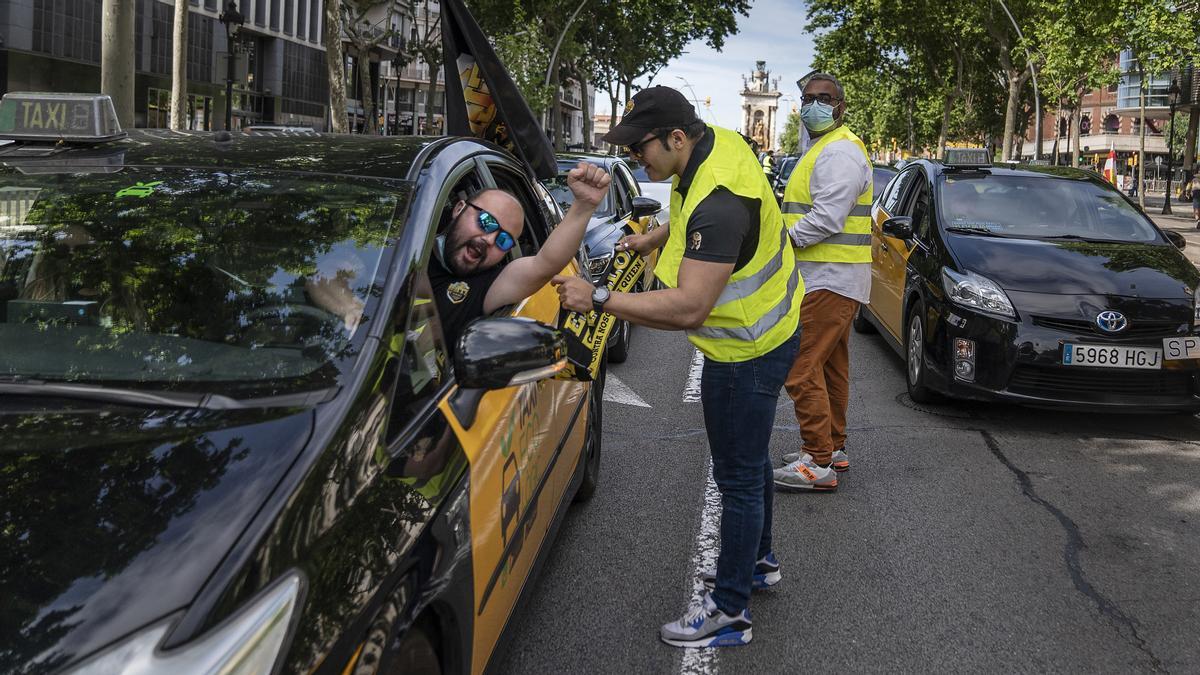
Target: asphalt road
{"type": "Point", "coordinates": [966, 538]}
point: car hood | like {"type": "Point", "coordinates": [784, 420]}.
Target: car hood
{"type": "Point", "coordinates": [115, 518]}
{"type": "Point", "coordinates": [1078, 268]}
{"type": "Point", "coordinates": [601, 236]}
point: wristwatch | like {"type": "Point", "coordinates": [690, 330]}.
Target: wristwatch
{"type": "Point", "coordinates": [600, 295]}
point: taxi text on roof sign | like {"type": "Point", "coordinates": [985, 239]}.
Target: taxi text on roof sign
{"type": "Point", "coordinates": [966, 157]}
{"type": "Point", "coordinates": [50, 117]}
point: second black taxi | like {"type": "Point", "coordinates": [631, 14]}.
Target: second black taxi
{"type": "Point", "coordinates": [1036, 285]}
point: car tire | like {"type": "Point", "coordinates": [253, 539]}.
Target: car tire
{"type": "Point", "coordinates": [862, 325]}
{"type": "Point", "coordinates": [618, 345]}
{"type": "Point", "coordinates": [591, 449]}
{"type": "Point", "coordinates": [914, 357]}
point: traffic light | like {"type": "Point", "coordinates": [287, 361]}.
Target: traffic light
{"type": "Point", "coordinates": [707, 101]}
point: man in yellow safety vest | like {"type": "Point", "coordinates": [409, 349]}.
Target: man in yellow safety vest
{"type": "Point", "coordinates": [731, 285]}
{"type": "Point", "coordinates": [827, 212]}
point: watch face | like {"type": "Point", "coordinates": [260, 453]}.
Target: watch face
{"type": "Point", "coordinates": [600, 295]}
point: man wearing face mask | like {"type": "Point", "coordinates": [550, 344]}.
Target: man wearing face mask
{"type": "Point", "coordinates": [827, 212]}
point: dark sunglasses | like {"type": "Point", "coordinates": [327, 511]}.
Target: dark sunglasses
{"type": "Point", "coordinates": [823, 98]}
{"type": "Point", "coordinates": [489, 224]}
{"type": "Point", "coordinates": [636, 148]}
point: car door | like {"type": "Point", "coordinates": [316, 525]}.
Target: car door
{"type": "Point", "coordinates": [889, 255]}
{"type": "Point", "coordinates": [528, 441]}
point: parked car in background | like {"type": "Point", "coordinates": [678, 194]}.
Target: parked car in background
{"type": "Point", "coordinates": [784, 166]}
{"type": "Point", "coordinates": [624, 210]}
{"type": "Point", "coordinates": [1037, 285]}
{"type": "Point", "coordinates": [658, 190]}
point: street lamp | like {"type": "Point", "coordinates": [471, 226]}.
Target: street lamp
{"type": "Point", "coordinates": [1174, 93]}
{"type": "Point", "coordinates": [694, 98]}
{"type": "Point", "coordinates": [232, 19]}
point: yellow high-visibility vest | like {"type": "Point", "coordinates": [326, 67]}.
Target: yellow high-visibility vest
{"type": "Point", "coordinates": [853, 243]}
{"type": "Point", "coordinates": [760, 306]}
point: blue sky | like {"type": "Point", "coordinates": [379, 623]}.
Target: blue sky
{"type": "Point", "coordinates": [774, 32]}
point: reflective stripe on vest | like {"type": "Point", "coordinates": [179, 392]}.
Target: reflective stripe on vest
{"type": "Point", "coordinates": [853, 243]}
{"type": "Point", "coordinates": [759, 308]}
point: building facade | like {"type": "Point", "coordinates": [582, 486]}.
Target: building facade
{"type": "Point", "coordinates": [280, 75]}
{"type": "Point", "coordinates": [760, 104]}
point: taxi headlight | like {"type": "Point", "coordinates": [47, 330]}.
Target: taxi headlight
{"type": "Point", "coordinates": [1196, 307]}
{"type": "Point", "coordinates": [599, 263]}
{"type": "Point", "coordinates": [250, 642]}
{"type": "Point", "coordinates": [977, 292]}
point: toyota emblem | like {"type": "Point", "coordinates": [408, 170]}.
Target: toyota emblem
{"type": "Point", "coordinates": [1111, 322]}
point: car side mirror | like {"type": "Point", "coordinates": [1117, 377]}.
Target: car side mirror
{"type": "Point", "coordinates": [645, 206]}
{"type": "Point", "coordinates": [502, 352]}
{"type": "Point", "coordinates": [1175, 238]}
{"type": "Point", "coordinates": [899, 227]}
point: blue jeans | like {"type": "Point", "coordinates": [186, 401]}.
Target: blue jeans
{"type": "Point", "coordinates": [739, 413]}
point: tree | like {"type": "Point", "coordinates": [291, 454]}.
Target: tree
{"type": "Point", "coordinates": [789, 140]}
{"type": "Point", "coordinates": [116, 56]}
{"type": "Point", "coordinates": [335, 65]}
{"type": "Point", "coordinates": [365, 37]}
{"type": "Point", "coordinates": [427, 45]}
{"type": "Point", "coordinates": [179, 43]}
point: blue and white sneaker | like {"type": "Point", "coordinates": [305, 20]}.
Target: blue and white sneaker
{"type": "Point", "coordinates": [707, 626]}
{"type": "Point", "coordinates": [766, 575]}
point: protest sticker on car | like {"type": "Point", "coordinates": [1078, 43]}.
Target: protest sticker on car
{"type": "Point", "coordinates": [587, 332]}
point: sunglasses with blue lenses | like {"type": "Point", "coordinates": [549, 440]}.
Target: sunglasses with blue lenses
{"type": "Point", "coordinates": [489, 224]}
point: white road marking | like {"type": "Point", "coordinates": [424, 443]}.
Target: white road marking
{"type": "Point", "coordinates": [691, 392]}
{"type": "Point", "coordinates": [701, 661]}
{"type": "Point", "coordinates": [617, 391]}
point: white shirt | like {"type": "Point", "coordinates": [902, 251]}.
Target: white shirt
{"type": "Point", "coordinates": [840, 174]}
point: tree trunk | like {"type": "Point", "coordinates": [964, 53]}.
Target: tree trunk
{"type": "Point", "coordinates": [335, 66]}
{"type": "Point", "coordinates": [116, 57]}
{"type": "Point", "coordinates": [179, 43]}
{"type": "Point", "coordinates": [947, 105]}
{"type": "Point", "coordinates": [612, 120]}
{"type": "Point", "coordinates": [1076, 113]}
{"type": "Point", "coordinates": [588, 146]}
{"type": "Point", "coordinates": [1057, 124]}
{"type": "Point", "coordinates": [1141, 167]}
{"type": "Point", "coordinates": [912, 132]}
{"type": "Point", "coordinates": [1010, 113]}
{"type": "Point", "coordinates": [1189, 140]}
{"type": "Point", "coordinates": [366, 95]}
{"type": "Point", "coordinates": [429, 94]}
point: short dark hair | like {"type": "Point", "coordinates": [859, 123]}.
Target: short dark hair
{"type": "Point", "coordinates": [693, 130]}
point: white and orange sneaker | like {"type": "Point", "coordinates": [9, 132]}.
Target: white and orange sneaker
{"type": "Point", "coordinates": [802, 474]}
{"type": "Point", "coordinates": [840, 463]}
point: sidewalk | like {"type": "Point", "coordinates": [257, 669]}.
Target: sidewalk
{"type": "Point", "coordinates": [1180, 221]}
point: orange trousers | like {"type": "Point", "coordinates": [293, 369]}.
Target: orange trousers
{"type": "Point", "coordinates": [819, 381]}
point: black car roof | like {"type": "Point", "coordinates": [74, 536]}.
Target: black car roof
{"type": "Point", "coordinates": [389, 157]}
{"type": "Point", "coordinates": [935, 168]}
{"type": "Point", "coordinates": [573, 158]}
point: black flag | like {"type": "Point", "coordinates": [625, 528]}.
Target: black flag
{"type": "Point", "coordinates": [482, 100]}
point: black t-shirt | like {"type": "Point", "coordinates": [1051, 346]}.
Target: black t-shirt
{"type": "Point", "coordinates": [723, 227]}
{"type": "Point", "coordinates": [459, 299]}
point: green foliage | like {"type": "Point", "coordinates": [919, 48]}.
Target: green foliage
{"type": "Point", "coordinates": [526, 59]}
{"type": "Point", "coordinates": [789, 140]}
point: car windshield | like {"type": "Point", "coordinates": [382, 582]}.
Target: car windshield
{"type": "Point", "coordinates": [1040, 207]}
{"type": "Point", "coordinates": [563, 195]}
{"type": "Point", "coordinates": [181, 279]}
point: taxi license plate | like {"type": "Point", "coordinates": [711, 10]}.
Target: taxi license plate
{"type": "Point", "coordinates": [1107, 356]}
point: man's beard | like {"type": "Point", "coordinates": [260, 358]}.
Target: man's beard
{"type": "Point", "coordinates": [455, 243]}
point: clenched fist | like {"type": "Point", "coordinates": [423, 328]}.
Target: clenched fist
{"type": "Point", "coordinates": [589, 183]}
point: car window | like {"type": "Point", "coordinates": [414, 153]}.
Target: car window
{"type": "Point", "coordinates": [880, 177]}
{"type": "Point", "coordinates": [1040, 206]}
{"type": "Point", "coordinates": [562, 194]}
{"type": "Point", "coordinates": [896, 190]}
{"type": "Point", "coordinates": [619, 190]}
{"type": "Point", "coordinates": [536, 226]}
{"type": "Point", "coordinates": [424, 362]}
{"type": "Point", "coordinates": [921, 211]}
{"type": "Point", "coordinates": [627, 178]}
{"type": "Point", "coordinates": [244, 282]}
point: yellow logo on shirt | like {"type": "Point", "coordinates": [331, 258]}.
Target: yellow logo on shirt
{"type": "Point", "coordinates": [457, 291]}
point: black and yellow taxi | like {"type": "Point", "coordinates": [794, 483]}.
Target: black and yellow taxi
{"type": "Point", "coordinates": [625, 210]}
{"type": "Point", "coordinates": [1036, 285]}
{"type": "Point", "coordinates": [232, 436]}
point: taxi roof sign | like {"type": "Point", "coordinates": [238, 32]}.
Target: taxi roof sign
{"type": "Point", "coordinates": [52, 117]}
{"type": "Point", "coordinates": [967, 158]}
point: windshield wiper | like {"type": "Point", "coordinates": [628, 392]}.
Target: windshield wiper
{"type": "Point", "coordinates": [1076, 237]}
{"type": "Point", "coordinates": [19, 386]}
{"type": "Point", "coordinates": [976, 230]}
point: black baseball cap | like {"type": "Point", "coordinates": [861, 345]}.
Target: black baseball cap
{"type": "Point", "coordinates": [649, 109]}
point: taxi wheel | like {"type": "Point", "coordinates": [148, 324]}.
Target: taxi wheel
{"type": "Point", "coordinates": [862, 325]}
{"type": "Point", "coordinates": [618, 348]}
{"type": "Point", "coordinates": [591, 448]}
{"type": "Point", "coordinates": [914, 358]}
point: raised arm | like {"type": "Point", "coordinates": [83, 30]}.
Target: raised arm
{"type": "Point", "coordinates": [524, 276]}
